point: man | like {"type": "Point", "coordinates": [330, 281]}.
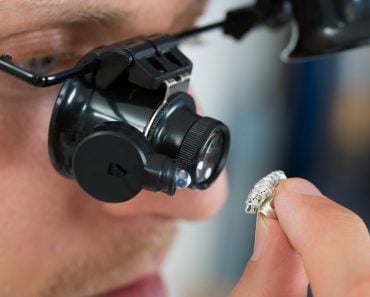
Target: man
{"type": "Point", "coordinates": [55, 240]}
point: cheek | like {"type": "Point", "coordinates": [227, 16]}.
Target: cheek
{"type": "Point", "coordinates": [26, 176]}
{"type": "Point", "coordinates": [24, 125]}
{"type": "Point", "coordinates": [26, 173]}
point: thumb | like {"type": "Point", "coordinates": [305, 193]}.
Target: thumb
{"type": "Point", "coordinates": [275, 269]}
{"type": "Point", "coordinates": [333, 242]}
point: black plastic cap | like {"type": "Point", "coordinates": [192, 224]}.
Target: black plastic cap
{"type": "Point", "coordinates": [109, 166]}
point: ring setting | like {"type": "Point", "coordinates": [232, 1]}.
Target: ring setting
{"type": "Point", "coordinates": [260, 197]}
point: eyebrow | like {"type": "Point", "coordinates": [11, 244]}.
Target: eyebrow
{"type": "Point", "coordinates": [93, 13]}
{"type": "Point", "coordinates": [90, 13]}
{"type": "Point", "coordinates": [68, 13]}
{"type": "Point", "coordinates": [106, 18]}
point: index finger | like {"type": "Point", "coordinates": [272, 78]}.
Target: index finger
{"type": "Point", "coordinates": [332, 240]}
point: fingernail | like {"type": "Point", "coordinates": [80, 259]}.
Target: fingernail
{"type": "Point", "coordinates": [301, 186]}
{"type": "Point", "coordinates": [262, 225]}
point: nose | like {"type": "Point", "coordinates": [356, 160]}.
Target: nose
{"type": "Point", "coordinates": [185, 204]}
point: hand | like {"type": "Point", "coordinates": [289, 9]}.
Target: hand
{"type": "Point", "coordinates": [314, 240]}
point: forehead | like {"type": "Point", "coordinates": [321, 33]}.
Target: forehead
{"type": "Point", "coordinates": [69, 6]}
{"type": "Point", "coordinates": [15, 14]}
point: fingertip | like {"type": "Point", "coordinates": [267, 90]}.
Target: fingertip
{"type": "Point", "coordinates": [300, 186]}
{"type": "Point", "coordinates": [287, 193]}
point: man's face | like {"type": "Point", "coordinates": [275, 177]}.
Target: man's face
{"type": "Point", "coordinates": [55, 240]}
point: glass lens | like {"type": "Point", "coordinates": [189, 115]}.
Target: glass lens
{"type": "Point", "coordinates": [209, 156]}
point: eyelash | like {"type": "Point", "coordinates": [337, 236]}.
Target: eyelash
{"type": "Point", "coordinates": [48, 64]}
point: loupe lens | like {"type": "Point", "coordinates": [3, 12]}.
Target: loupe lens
{"type": "Point", "coordinates": [204, 151]}
{"type": "Point", "coordinates": [209, 156]}
{"type": "Point", "coordinates": [200, 144]}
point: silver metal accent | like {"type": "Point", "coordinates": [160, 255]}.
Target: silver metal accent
{"type": "Point", "coordinates": [260, 197]}
{"type": "Point", "coordinates": [266, 208]}
{"type": "Point", "coordinates": [178, 84]}
{"type": "Point", "coordinates": [173, 85]}
{"type": "Point", "coordinates": [182, 179]}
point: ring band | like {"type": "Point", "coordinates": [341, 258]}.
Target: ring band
{"type": "Point", "coordinates": [266, 208]}
{"type": "Point", "coordinates": [261, 196]}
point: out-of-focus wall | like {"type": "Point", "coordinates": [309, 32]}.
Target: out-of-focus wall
{"type": "Point", "coordinates": [345, 160]}
{"type": "Point", "coordinates": [242, 84]}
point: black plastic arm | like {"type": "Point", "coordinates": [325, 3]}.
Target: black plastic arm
{"type": "Point", "coordinates": [238, 22]}
{"type": "Point", "coordinates": [44, 81]}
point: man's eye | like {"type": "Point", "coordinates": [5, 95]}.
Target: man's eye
{"type": "Point", "coordinates": [51, 63]}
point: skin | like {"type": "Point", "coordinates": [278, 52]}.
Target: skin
{"type": "Point", "coordinates": [55, 240]}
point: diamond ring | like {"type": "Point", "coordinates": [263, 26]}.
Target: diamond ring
{"type": "Point", "coordinates": [260, 197]}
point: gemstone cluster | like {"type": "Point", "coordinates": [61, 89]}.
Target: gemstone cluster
{"type": "Point", "coordinates": [262, 191]}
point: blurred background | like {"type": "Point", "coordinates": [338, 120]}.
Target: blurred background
{"type": "Point", "coordinates": [312, 120]}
